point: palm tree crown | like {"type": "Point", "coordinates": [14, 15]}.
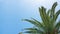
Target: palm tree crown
{"type": "Point", "coordinates": [48, 24]}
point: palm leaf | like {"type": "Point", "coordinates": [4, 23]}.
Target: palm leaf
{"type": "Point", "coordinates": [41, 24]}
{"type": "Point", "coordinates": [52, 14]}
{"type": "Point", "coordinates": [53, 8]}
{"type": "Point", "coordinates": [56, 15]}
{"type": "Point", "coordinates": [38, 24]}
{"type": "Point", "coordinates": [33, 30]}
{"type": "Point", "coordinates": [43, 15]}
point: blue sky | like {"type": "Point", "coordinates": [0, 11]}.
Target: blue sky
{"type": "Point", "coordinates": [12, 11]}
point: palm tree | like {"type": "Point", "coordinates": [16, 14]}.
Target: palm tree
{"type": "Point", "coordinates": [49, 25]}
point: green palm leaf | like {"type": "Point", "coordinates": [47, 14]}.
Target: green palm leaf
{"type": "Point", "coordinates": [33, 31]}
{"type": "Point", "coordinates": [33, 22]}
{"type": "Point", "coordinates": [41, 24]}
{"type": "Point", "coordinates": [53, 8]}
{"type": "Point", "coordinates": [43, 15]}
{"type": "Point", "coordinates": [56, 15]}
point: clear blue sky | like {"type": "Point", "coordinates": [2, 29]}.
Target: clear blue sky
{"type": "Point", "coordinates": [12, 11]}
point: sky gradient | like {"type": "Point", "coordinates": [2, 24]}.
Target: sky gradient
{"type": "Point", "coordinates": [12, 11]}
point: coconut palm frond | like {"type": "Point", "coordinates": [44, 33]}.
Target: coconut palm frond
{"type": "Point", "coordinates": [56, 15]}
{"type": "Point", "coordinates": [33, 30]}
{"type": "Point", "coordinates": [43, 15]}
{"type": "Point", "coordinates": [53, 8]}
{"type": "Point", "coordinates": [41, 24]}
{"type": "Point", "coordinates": [34, 22]}
{"type": "Point", "coordinates": [52, 14]}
